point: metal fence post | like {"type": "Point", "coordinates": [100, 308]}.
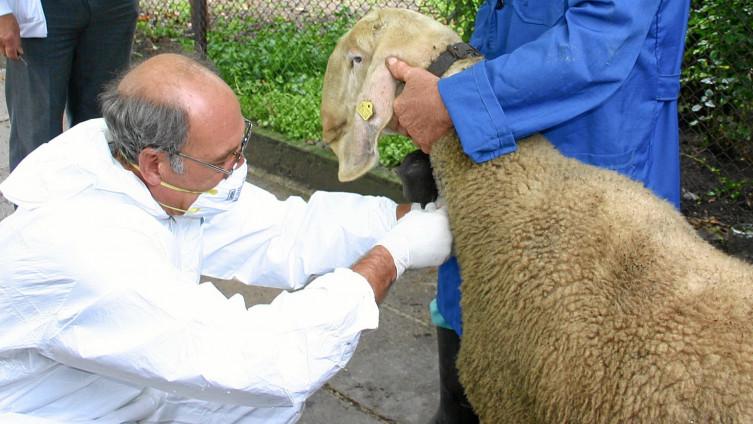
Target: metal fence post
{"type": "Point", "coordinates": [200, 25]}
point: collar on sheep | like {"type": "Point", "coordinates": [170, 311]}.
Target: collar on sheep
{"type": "Point", "coordinates": [453, 53]}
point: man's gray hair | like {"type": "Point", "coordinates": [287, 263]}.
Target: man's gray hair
{"type": "Point", "coordinates": [135, 122]}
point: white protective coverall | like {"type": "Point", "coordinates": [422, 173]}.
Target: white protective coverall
{"type": "Point", "coordinates": [103, 317]}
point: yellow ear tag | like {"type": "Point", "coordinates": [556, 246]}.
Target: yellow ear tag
{"type": "Point", "coordinates": [365, 109]}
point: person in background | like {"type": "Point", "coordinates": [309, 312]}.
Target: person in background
{"type": "Point", "coordinates": [599, 79]}
{"type": "Point", "coordinates": [102, 314]}
{"type": "Point", "coordinates": [60, 54]}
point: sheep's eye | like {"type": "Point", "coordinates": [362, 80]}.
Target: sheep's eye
{"type": "Point", "coordinates": [354, 57]}
{"type": "Point", "coordinates": [354, 60]}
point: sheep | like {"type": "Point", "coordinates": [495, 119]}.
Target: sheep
{"type": "Point", "coordinates": [585, 297]}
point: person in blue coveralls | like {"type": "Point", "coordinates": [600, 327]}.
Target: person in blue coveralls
{"type": "Point", "coordinates": [600, 79]}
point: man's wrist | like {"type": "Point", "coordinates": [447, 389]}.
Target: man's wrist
{"type": "Point", "coordinates": [378, 268]}
{"type": "Point", "coordinates": [402, 209]}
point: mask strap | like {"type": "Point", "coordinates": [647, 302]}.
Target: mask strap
{"type": "Point", "coordinates": [172, 187]}
{"type": "Point", "coordinates": [184, 211]}
{"type": "Point", "coordinates": [211, 191]}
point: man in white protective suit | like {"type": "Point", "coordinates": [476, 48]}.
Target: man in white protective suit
{"type": "Point", "coordinates": [101, 314]}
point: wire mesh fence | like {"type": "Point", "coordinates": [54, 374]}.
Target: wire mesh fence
{"type": "Point", "coordinates": [716, 103]}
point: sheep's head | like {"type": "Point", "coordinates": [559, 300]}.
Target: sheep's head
{"type": "Point", "coordinates": [358, 88]}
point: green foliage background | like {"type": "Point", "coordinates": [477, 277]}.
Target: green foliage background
{"type": "Point", "coordinates": [717, 99]}
{"type": "Point", "coordinates": [276, 68]}
{"type": "Point", "coordinates": [460, 15]}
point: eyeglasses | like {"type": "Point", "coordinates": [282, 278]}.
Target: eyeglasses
{"type": "Point", "coordinates": [237, 156]}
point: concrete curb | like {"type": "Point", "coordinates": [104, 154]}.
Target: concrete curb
{"type": "Point", "coordinates": [314, 167]}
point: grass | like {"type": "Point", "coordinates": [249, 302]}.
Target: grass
{"type": "Point", "coordinates": [277, 71]}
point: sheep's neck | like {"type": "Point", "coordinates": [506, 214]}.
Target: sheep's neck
{"type": "Point", "coordinates": [461, 65]}
{"type": "Point", "coordinates": [446, 152]}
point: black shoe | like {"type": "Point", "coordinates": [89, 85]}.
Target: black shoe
{"type": "Point", "coordinates": [454, 407]}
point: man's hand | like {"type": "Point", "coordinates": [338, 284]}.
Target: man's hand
{"type": "Point", "coordinates": [419, 109]}
{"type": "Point", "coordinates": [420, 239]}
{"type": "Point", "coordinates": [10, 37]}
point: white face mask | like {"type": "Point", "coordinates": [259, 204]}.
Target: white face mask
{"type": "Point", "coordinates": [215, 200]}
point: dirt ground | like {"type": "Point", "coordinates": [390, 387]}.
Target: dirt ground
{"type": "Point", "coordinates": [712, 214]}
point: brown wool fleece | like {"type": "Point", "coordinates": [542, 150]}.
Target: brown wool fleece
{"type": "Point", "coordinates": [586, 299]}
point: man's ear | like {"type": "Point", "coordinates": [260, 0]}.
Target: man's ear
{"type": "Point", "coordinates": [149, 160]}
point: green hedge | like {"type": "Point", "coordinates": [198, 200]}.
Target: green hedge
{"type": "Point", "coordinates": [717, 99]}
{"type": "Point", "coordinates": [277, 70]}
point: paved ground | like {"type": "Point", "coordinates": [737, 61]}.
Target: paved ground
{"type": "Point", "coordinates": [393, 375]}
{"type": "Point", "coordinates": [5, 206]}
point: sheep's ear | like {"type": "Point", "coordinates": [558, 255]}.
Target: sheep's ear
{"type": "Point", "coordinates": [357, 151]}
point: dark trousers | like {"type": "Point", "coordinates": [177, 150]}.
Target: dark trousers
{"type": "Point", "coordinates": [454, 407]}
{"type": "Point", "coordinates": [88, 43]}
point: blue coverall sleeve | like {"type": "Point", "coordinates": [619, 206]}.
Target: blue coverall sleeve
{"type": "Point", "coordinates": [568, 70]}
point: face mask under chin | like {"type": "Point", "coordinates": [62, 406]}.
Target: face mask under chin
{"type": "Point", "coordinates": [215, 200]}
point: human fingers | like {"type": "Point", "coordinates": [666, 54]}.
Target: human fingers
{"type": "Point", "coordinates": [394, 124]}
{"type": "Point", "coordinates": [399, 120]}
{"type": "Point", "coordinates": [15, 48]}
{"type": "Point", "coordinates": [10, 52]}
{"type": "Point", "coordinates": [10, 36]}
{"type": "Point", "coordinates": [422, 144]}
{"type": "Point", "coordinates": [398, 68]}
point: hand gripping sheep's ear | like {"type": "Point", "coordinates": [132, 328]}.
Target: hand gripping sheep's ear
{"type": "Point", "coordinates": [359, 90]}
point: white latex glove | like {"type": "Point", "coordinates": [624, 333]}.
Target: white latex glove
{"type": "Point", "coordinates": [420, 239]}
